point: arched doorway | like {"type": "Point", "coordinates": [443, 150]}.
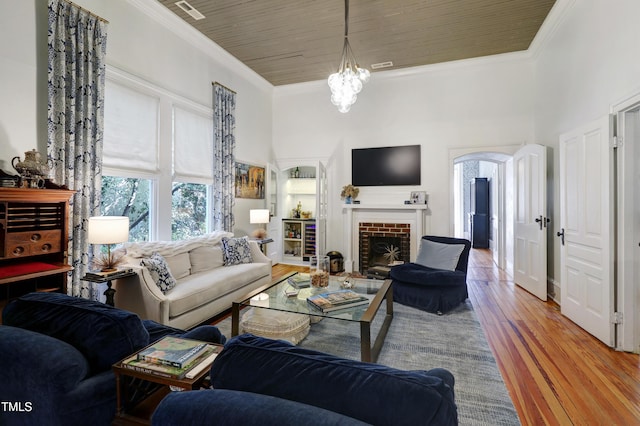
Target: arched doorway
{"type": "Point", "coordinates": [496, 164]}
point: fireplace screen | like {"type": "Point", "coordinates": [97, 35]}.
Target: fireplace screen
{"type": "Point", "coordinates": [385, 245]}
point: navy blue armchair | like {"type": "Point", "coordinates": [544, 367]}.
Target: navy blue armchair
{"type": "Point", "coordinates": [433, 289]}
{"type": "Point", "coordinates": [56, 353]}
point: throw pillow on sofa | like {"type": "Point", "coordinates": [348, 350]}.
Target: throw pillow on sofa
{"type": "Point", "coordinates": [438, 255]}
{"type": "Point", "coordinates": [179, 265]}
{"type": "Point", "coordinates": [236, 251]}
{"type": "Point", "coordinates": [159, 270]}
{"type": "Point", "coordinates": [205, 258]}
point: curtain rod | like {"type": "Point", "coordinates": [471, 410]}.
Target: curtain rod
{"type": "Point", "coordinates": [222, 85]}
{"type": "Point", "coordinates": [86, 10]}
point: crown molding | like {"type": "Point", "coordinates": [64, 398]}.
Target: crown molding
{"type": "Point", "coordinates": [513, 57]}
{"type": "Point", "coordinates": [156, 11]}
{"type": "Point", "coordinates": [556, 16]}
{"type": "Point", "coordinates": [169, 20]}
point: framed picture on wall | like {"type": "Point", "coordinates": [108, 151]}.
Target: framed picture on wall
{"type": "Point", "coordinates": [249, 181]}
{"type": "Point", "coordinates": [418, 197]}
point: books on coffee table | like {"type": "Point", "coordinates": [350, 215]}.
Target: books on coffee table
{"type": "Point", "coordinates": [335, 300]}
{"type": "Point", "coordinates": [300, 280]}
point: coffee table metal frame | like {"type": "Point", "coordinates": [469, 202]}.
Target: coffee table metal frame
{"type": "Point", "coordinates": [364, 314]}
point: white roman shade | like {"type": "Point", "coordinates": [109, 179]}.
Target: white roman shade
{"type": "Point", "coordinates": [192, 146]}
{"type": "Point", "coordinates": [130, 129]}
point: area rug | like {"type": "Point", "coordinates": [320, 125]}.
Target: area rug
{"type": "Point", "coordinates": [420, 341]}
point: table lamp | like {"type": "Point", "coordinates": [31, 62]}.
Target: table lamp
{"type": "Point", "coordinates": [259, 216]}
{"type": "Point", "coordinates": [107, 230]}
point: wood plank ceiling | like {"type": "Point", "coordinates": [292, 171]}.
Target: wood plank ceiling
{"type": "Point", "coordinates": [287, 41]}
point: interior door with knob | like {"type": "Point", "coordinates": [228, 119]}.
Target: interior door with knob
{"type": "Point", "coordinates": [531, 219]}
{"type": "Point", "coordinates": [587, 281]}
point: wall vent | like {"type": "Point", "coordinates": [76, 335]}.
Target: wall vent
{"type": "Point", "coordinates": [381, 65]}
{"type": "Point", "coordinates": [190, 10]}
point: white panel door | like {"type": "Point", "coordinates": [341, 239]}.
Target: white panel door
{"type": "Point", "coordinates": [274, 227]}
{"type": "Point", "coordinates": [586, 229]}
{"type": "Point", "coordinates": [530, 228]}
{"type": "Point", "coordinates": [494, 221]}
{"type": "Point", "coordinates": [321, 209]}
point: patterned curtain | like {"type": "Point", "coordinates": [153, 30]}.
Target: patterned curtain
{"type": "Point", "coordinates": [77, 48]}
{"type": "Point", "coordinates": [224, 143]}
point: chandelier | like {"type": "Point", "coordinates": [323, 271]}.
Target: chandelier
{"type": "Point", "coordinates": [347, 82]}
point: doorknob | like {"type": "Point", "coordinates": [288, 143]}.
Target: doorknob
{"type": "Point", "coordinates": [561, 235]}
{"type": "Point", "coordinates": [539, 221]}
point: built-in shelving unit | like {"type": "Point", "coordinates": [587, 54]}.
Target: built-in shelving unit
{"type": "Point", "coordinates": [299, 229]}
{"type": "Point", "coordinates": [299, 239]}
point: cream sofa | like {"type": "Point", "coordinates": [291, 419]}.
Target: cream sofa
{"type": "Point", "coordinates": [205, 286]}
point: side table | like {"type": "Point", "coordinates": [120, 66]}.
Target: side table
{"type": "Point", "coordinates": [109, 292]}
{"type": "Point", "coordinates": [139, 393]}
{"type": "Point", "coordinates": [263, 243]}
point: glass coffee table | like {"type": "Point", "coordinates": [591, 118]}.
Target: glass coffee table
{"type": "Point", "coordinates": [375, 290]}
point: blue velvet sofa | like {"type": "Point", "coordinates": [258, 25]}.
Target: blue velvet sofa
{"type": "Point", "coordinates": [434, 289]}
{"type": "Point", "coordinates": [56, 354]}
{"type": "Point", "coordinates": [258, 381]}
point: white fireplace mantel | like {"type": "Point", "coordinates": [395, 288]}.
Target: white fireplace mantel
{"type": "Point", "coordinates": [414, 214]}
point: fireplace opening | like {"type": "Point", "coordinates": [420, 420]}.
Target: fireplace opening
{"type": "Point", "coordinates": [382, 244]}
{"type": "Point", "coordinates": [384, 250]}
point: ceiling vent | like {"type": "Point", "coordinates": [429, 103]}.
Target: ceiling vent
{"type": "Point", "coordinates": [381, 65]}
{"type": "Point", "coordinates": [190, 10]}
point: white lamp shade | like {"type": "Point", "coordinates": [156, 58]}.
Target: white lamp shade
{"type": "Point", "coordinates": [259, 216]}
{"type": "Point", "coordinates": [108, 229]}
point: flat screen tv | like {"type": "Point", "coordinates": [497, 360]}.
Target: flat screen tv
{"type": "Point", "coordinates": [392, 165]}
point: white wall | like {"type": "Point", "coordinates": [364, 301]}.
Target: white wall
{"type": "Point", "coordinates": [588, 64]}
{"type": "Point", "coordinates": [483, 102]}
{"type": "Point", "coordinates": [589, 61]}
{"type": "Point", "coordinates": [140, 43]}
{"type": "Point", "coordinates": [23, 120]}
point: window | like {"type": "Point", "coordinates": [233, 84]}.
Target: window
{"type": "Point", "coordinates": [123, 196]}
{"type": "Point", "coordinates": [131, 122]}
{"type": "Point", "coordinates": [188, 210]}
{"type": "Point", "coordinates": [158, 149]}
{"type": "Point", "coordinates": [192, 171]}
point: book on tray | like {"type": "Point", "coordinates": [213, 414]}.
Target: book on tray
{"type": "Point", "coordinates": [173, 351]}
{"type": "Point", "coordinates": [300, 280]}
{"type": "Point", "coordinates": [334, 300]}
{"type": "Point", "coordinates": [108, 274]}
{"type": "Point", "coordinates": [189, 371]}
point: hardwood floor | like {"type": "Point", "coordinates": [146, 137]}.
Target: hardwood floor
{"type": "Point", "coordinates": [556, 373]}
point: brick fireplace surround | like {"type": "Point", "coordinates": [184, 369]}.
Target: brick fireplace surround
{"type": "Point", "coordinates": [371, 231]}
{"type": "Point", "coordinates": [401, 218]}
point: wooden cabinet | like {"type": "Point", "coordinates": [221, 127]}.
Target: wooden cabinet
{"type": "Point", "coordinates": [33, 241]}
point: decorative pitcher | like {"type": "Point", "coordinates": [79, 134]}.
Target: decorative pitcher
{"type": "Point", "coordinates": [32, 166]}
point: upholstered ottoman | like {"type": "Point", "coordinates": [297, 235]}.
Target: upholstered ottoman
{"type": "Point", "coordinates": [275, 324]}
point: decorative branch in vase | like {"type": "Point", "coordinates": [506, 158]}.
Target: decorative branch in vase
{"type": "Point", "coordinates": [349, 193]}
